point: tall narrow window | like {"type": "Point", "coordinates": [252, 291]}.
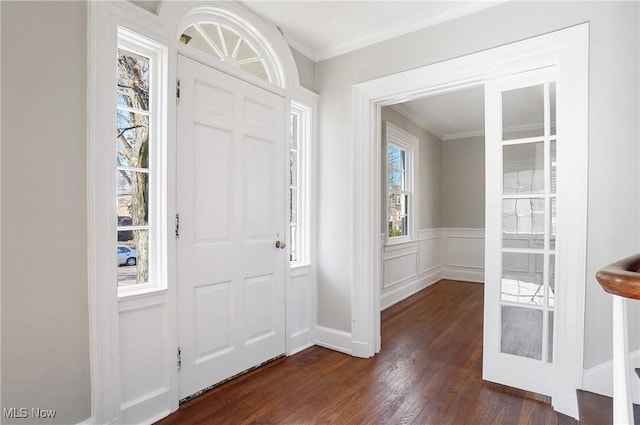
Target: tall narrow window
{"type": "Point", "coordinates": [138, 151]}
{"type": "Point", "coordinates": [299, 183]}
{"type": "Point", "coordinates": [401, 149]}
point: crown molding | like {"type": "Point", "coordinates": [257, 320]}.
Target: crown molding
{"type": "Point", "coordinates": [415, 118]}
{"type": "Point", "coordinates": [418, 22]}
{"type": "Point", "coordinates": [463, 135]}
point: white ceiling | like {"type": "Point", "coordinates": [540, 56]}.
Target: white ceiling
{"type": "Point", "coordinates": [324, 29]}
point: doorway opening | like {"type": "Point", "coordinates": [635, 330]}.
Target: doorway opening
{"type": "Point", "coordinates": [567, 50]}
{"type": "Point", "coordinates": [446, 237]}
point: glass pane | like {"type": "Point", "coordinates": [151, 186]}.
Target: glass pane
{"type": "Point", "coordinates": [552, 280]}
{"type": "Point", "coordinates": [522, 278]}
{"type": "Point", "coordinates": [293, 203]}
{"type": "Point", "coordinates": [133, 257]}
{"type": "Point", "coordinates": [245, 51]}
{"type": "Point", "coordinates": [231, 38]}
{"type": "Point", "coordinates": [552, 107]}
{"type": "Point", "coordinates": [212, 32]}
{"type": "Point", "coordinates": [552, 223]}
{"type": "Point", "coordinates": [523, 112]}
{"type": "Point", "coordinates": [256, 68]}
{"type": "Point", "coordinates": [397, 205]}
{"type": "Point", "coordinates": [523, 168]}
{"type": "Point", "coordinates": [132, 140]}
{"type": "Point", "coordinates": [293, 245]}
{"type": "Point", "coordinates": [192, 37]}
{"type": "Point", "coordinates": [554, 165]}
{"type": "Point", "coordinates": [293, 168]}
{"type": "Point", "coordinates": [133, 80]}
{"type": "Point", "coordinates": [294, 131]}
{"type": "Point", "coordinates": [550, 343]}
{"type": "Point", "coordinates": [523, 223]}
{"type": "Point", "coordinates": [521, 332]}
{"type": "Point", "coordinates": [396, 167]}
{"type": "Point", "coordinates": [132, 190]}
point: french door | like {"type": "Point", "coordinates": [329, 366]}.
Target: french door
{"type": "Point", "coordinates": [231, 205]}
{"type": "Point", "coordinates": [520, 250]}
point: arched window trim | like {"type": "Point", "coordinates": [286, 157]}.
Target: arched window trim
{"type": "Point", "coordinates": [215, 15]}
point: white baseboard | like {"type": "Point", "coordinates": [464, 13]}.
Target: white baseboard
{"type": "Point", "coordinates": [333, 339]}
{"type": "Point", "coordinates": [465, 275]}
{"type": "Point", "coordinates": [405, 290]}
{"type": "Point", "coordinates": [599, 379]}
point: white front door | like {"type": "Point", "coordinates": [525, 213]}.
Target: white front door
{"type": "Point", "coordinates": [231, 205]}
{"type": "Point", "coordinates": [520, 251]}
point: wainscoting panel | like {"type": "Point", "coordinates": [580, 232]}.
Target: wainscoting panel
{"type": "Point", "coordinates": [463, 253]}
{"type": "Point", "coordinates": [300, 309]}
{"type": "Point", "coordinates": [410, 267]}
{"type": "Point", "coordinates": [399, 268]}
{"type": "Point", "coordinates": [143, 358]}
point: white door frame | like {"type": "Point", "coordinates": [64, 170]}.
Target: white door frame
{"type": "Point", "coordinates": [568, 50]}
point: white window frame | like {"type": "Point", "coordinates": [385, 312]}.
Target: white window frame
{"type": "Point", "coordinates": [158, 63]}
{"type": "Point", "coordinates": [304, 138]}
{"type": "Point", "coordinates": [410, 145]}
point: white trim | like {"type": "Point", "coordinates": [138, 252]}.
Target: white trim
{"type": "Point", "coordinates": [572, 46]}
{"type": "Point", "coordinates": [333, 339]}
{"type": "Point", "coordinates": [463, 135]}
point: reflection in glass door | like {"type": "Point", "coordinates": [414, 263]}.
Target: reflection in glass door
{"type": "Point", "coordinates": [521, 230]}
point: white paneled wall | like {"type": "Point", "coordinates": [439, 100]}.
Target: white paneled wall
{"type": "Point", "coordinates": [437, 254]}
{"type": "Point", "coordinates": [144, 363]}
{"type": "Point", "coordinates": [463, 254]}
{"type": "Point", "coordinates": [300, 309]}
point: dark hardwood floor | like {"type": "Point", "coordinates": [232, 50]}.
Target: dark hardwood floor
{"type": "Point", "coordinates": [428, 372]}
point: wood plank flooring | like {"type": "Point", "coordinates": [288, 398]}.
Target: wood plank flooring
{"type": "Point", "coordinates": [428, 372]}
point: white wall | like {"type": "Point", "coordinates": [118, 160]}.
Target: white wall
{"type": "Point", "coordinates": [613, 137]}
{"type": "Point", "coordinates": [306, 70]}
{"type": "Point", "coordinates": [45, 332]}
{"type": "Point", "coordinates": [463, 183]}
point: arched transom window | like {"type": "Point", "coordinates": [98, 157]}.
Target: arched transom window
{"type": "Point", "coordinates": [230, 39]}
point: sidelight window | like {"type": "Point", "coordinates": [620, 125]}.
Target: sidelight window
{"type": "Point", "coordinates": [138, 161]}
{"type": "Point", "coordinates": [300, 140]}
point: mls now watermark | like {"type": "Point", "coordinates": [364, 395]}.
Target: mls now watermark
{"type": "Point", "coordinates": [28, 413]}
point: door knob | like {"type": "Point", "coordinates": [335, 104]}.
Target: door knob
{"type": "Point", "coordinates": [281, 245]}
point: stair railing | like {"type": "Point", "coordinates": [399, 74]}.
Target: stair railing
{"type": "Point", "coordinates": [622, 280]}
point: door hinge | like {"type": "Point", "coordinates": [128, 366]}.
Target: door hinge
{"type": "Point", "coordinates": [177, 226]}
{"type": "Point", "coordinates": [179, 359]}
{"type": "Point", "coordinates": [178, 91]}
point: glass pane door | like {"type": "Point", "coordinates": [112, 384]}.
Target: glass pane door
{"type": "Point", "coordinates": [520, 251]}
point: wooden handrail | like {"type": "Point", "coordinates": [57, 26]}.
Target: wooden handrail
{"type": "Point", "coordinates": [622, 278]}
